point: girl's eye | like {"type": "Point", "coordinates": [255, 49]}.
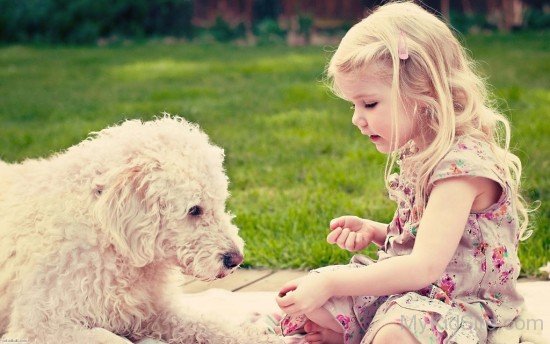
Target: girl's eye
{"type": "Point", "coordinates": [366, 105]}
{"type": "Point", "coordinates": [195, 211]}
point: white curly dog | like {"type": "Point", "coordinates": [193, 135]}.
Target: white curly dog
{"type": "Point", "coordinates": [90, 237]}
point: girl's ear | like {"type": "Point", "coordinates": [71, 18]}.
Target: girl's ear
{"type": "Point", "coordinates": [130, 214]}
{"type": "Point", "coordinates": [421, 110]}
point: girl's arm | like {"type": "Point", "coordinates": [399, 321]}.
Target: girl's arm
{"type": "Point", "coordinates": [380, 231]}
{"type": "Point", "coordinates": [353, 233]}
{"type": "Point", "coordinates": [439, 233]}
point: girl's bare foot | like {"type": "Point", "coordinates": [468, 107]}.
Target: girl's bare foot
{"type": "Point", "coordinates": [316, 334]}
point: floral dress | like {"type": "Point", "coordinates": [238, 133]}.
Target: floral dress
{"type": "Point", "coordinates": [477, 291]}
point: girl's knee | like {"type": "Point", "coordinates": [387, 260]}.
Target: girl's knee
{"type": "Point", "coordinates": [394, 333]}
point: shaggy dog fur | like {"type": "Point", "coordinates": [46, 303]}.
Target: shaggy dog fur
{"type": "Point", "coordinates": [90, 237]}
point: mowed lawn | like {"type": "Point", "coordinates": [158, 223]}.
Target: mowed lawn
{"type": "Point", "coordinates": [293, 157]}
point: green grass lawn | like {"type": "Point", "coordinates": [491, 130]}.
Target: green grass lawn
{"type": "Point", "coordinates": [293, 157]}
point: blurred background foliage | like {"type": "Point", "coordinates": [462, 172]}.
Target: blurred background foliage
{"type": "Point", "coordinates": [85, 21]}
{"type": "Point", "coordinates": [298, 22]}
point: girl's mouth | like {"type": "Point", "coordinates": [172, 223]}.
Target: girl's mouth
{"type": "Point", "coordinates": [374, 137]}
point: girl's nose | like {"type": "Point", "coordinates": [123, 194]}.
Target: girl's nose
{"type": "Point", "coordinates": [357, 120]}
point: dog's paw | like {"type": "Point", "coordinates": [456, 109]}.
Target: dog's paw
{"type": "Point", "coordinates": [274, 339]}
{"type": "Point", "coordinates": [267, 323]}
{"type": "Point", "coordinates": [263, 332]}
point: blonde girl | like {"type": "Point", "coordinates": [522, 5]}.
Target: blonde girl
{"type": "Point", "coordinates": [447, 262]}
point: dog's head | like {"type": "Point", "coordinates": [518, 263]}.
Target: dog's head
{"type": "Point", "coordinates": [160, 195]}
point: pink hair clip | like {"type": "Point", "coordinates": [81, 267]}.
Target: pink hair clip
{"type": "Point", "coordinates": [402, 50]}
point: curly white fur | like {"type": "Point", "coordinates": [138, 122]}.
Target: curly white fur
{"type": "Point", "coordinates": [90, 237]}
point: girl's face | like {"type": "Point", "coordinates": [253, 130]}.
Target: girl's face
{"type": "Point", "coordinates": [371, 99]}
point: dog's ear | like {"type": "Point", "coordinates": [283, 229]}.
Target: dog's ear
{"type": "Point", "coordinates": [129, 212]}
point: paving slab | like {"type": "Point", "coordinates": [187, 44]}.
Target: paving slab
{"type": "Point", "coordinates": [537, 302]}
{"type": "Point", "coordinates": [273, 282]}
{"type": "Point", "coordinates": [237, 280]}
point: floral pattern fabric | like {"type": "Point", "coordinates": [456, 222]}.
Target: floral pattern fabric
{"type": "Point", "coordinates": [477, 291]}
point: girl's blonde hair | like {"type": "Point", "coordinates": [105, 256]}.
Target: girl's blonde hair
{"type": "Point", "coordinates": [438, 77]}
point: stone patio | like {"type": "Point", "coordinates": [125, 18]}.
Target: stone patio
{"type": "Point", "coordinates": [535, 292]}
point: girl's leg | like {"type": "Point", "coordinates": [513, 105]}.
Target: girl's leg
{"type": "Point", "coordinates": [394, 333]}
{"type": "Point", "coordinates": [316, 334]}
{"type": "Point", "coordinates": [323, 328]}
{"type": "Point", "coordinates": [324, 319]}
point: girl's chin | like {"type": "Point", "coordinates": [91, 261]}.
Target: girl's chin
{"type": "Point", "coordinates": [383, 146]}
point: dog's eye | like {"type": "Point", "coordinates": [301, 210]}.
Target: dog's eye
{"type": "Point", "coordinates": [195, 211]}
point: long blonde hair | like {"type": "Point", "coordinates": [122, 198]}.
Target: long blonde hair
{"type": "Point", "coordinates": [439, 77]}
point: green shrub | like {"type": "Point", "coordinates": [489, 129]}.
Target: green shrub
{"type": "Point", "coordinates": [466, 23]}
{"type": "Point", "coordinates": [305, 22]}
{"type": "Point", "coordinates": [222, 31]}
{"type": "Point", "coordinates": [268, 31]}
{"type": "Point", "coordinates": [84, 21]}
{"type": "Point", "coordinates": [536, 19]}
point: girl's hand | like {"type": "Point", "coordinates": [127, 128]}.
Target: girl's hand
{"type": "Point", "coordinates": [350, 233]}
{"type": "Point", "coordinates": [304, 295]}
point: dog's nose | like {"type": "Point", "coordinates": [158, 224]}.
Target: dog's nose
{"type": "Point", "coordinates": [232, 259]}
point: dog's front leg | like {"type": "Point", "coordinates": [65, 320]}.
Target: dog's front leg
{"type": "Point", "coordinates": [65, 335]}
{"type": "Point", "coordinates": [191, 328]}
{"type": "Point", "coordinates": [33, 320]}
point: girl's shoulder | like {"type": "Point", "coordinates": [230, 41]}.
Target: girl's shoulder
{"type": "Point", "coordinates": [469, 156]}
{"type": "Point", "coordinates": [468, 144]}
